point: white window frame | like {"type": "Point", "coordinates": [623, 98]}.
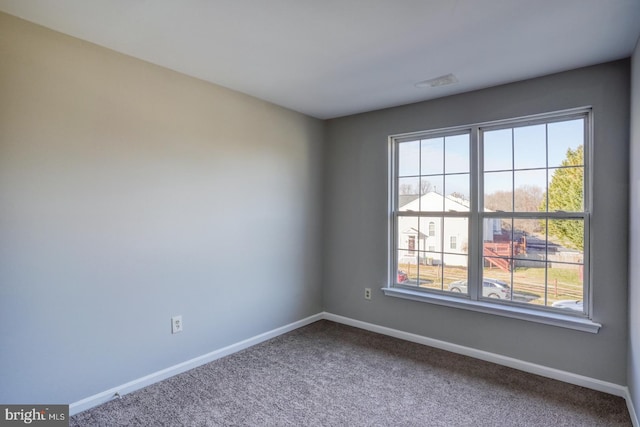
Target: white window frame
{"type": "Point", "coordinates": [474, 301]}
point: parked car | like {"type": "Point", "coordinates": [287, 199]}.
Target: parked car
{"type": "Point", "coordinates": [491, 288]}
{"type": "Point", "coordinates": [569, 304]}
{"type": "Point", "coordinates": [402, 276]}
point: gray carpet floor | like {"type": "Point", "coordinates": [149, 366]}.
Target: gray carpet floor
{"type": "Point", "coordinates": [327, 374]}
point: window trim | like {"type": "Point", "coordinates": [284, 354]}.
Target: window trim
{"type": "Point", "coordinates": [522, 313]}
{"type": "Point", "coordinates": [474, 302]}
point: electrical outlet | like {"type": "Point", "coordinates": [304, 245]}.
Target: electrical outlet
{"type": "Point", "coordinates": [367, 293]}
{"type": "Point", "coordinates": [176, 324]}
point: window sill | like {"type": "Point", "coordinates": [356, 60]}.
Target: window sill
{"type": "Point", "coordinates": [521, 313]}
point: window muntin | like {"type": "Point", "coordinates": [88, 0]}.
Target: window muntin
{"type": "Point", "coordinates": [530, 215]}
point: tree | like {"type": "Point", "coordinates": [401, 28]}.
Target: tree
{"type": "Point", "coordinates": [527, 198]}
{"type": "Point", "coordinates": [406, 189]}
{"type": "Point", "coordinates": [566, 194]}
{"type": "Point", "coordinates": [499, 201]}
{"type": "Point", "coordinates": [459, 195]}
{"type": "Point", "coordinates": [425, 187]}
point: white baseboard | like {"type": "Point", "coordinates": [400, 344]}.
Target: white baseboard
{"type": "Point", "coordinates": [521, 365]}
{"type": "Point", "coordinates": [632, 411]}
{"type": "Point", "coordinates": [121, 390]}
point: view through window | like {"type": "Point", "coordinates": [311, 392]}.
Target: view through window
{"type": "Point", "coordinates": [517, 186]}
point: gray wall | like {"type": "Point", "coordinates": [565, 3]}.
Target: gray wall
{"type": "Point", "coordinates": [355, 254]}
{"type": "Point", "coordinates": [633, 379]}
{"type": "Point", "coordinates": [130, 193]}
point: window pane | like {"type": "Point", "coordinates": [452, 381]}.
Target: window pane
{"type": "Point", "coordinates": [530, 189]}
{"type": "Point", "coordinates": [565, 286]}
{"type": "Point", "coordinates": [498, 243]}
{"type": "Point", "coordinates": [496, 229]}
{"type": "Point", "coordinates": [495, 265]}
{"type": "Point", "coordinates": [408, 234]}
{"type": "Point", "coordinates": [407, 273]}
{"type": "Point", "coordinates": [497, 150]}
{"type": "Point", "coordinates": [408, 194]}
{"type": "Point", "coordinates": [566, 240]}
{"type": "Point", "coordinates": [498, 191]}
{"type": "Point", "coordinates": [431, 189]}
{"type": "Point", "coordinates": [431, 228]}
{"type": "Point", "coordinates": [564, 136]}
{"type": "Point", "coordinates": [496, 286]}
{"type": "Point", "coordinates": [458, 194]}
{"type": "Point", "coordinates": [529, 240]}
{"type": "Point", "coordinates": [530, 149]}
{"type": "Point", "coordinates": [431, 270]}
{"type": "Point", "coordinates": [458, 287]}
{"type": "Point", "coordinates": [432, 156]}
{"type": "Point", "coordinates": [566, 189]}
{"type": "Point", "coordinates": [456, 232]}
{"type": "Point", "coordinates": [454, 270]}
{"type": "Point", "coordinates": [409, 158]}
{"type": "Point", "coordinates": [457, 153]}
{"type": "Point", "coordinates": [529, 282]}
{"type": "Point", "coordinates": [401, 277]}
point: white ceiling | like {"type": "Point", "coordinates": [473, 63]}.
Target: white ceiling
{"type": "Point", "coordinates": [329, 58]}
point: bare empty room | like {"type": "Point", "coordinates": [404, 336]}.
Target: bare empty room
{"type": "Point", "coordinates": [320, 213]}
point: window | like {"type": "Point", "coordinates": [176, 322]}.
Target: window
{"type": "Point", "coordinates": [513, 199]}
{"type": "Point", "coordinates": [432, 228]}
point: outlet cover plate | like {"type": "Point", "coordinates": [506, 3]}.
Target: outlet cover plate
{"type": "Point", "coordinates": [176, 324]}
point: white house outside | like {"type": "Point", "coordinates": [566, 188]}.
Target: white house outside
{"type": "Point", "coordinates": [434, 240]}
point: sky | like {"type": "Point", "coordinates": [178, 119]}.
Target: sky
{"type": "Point", "coordinates": [525, 149]}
